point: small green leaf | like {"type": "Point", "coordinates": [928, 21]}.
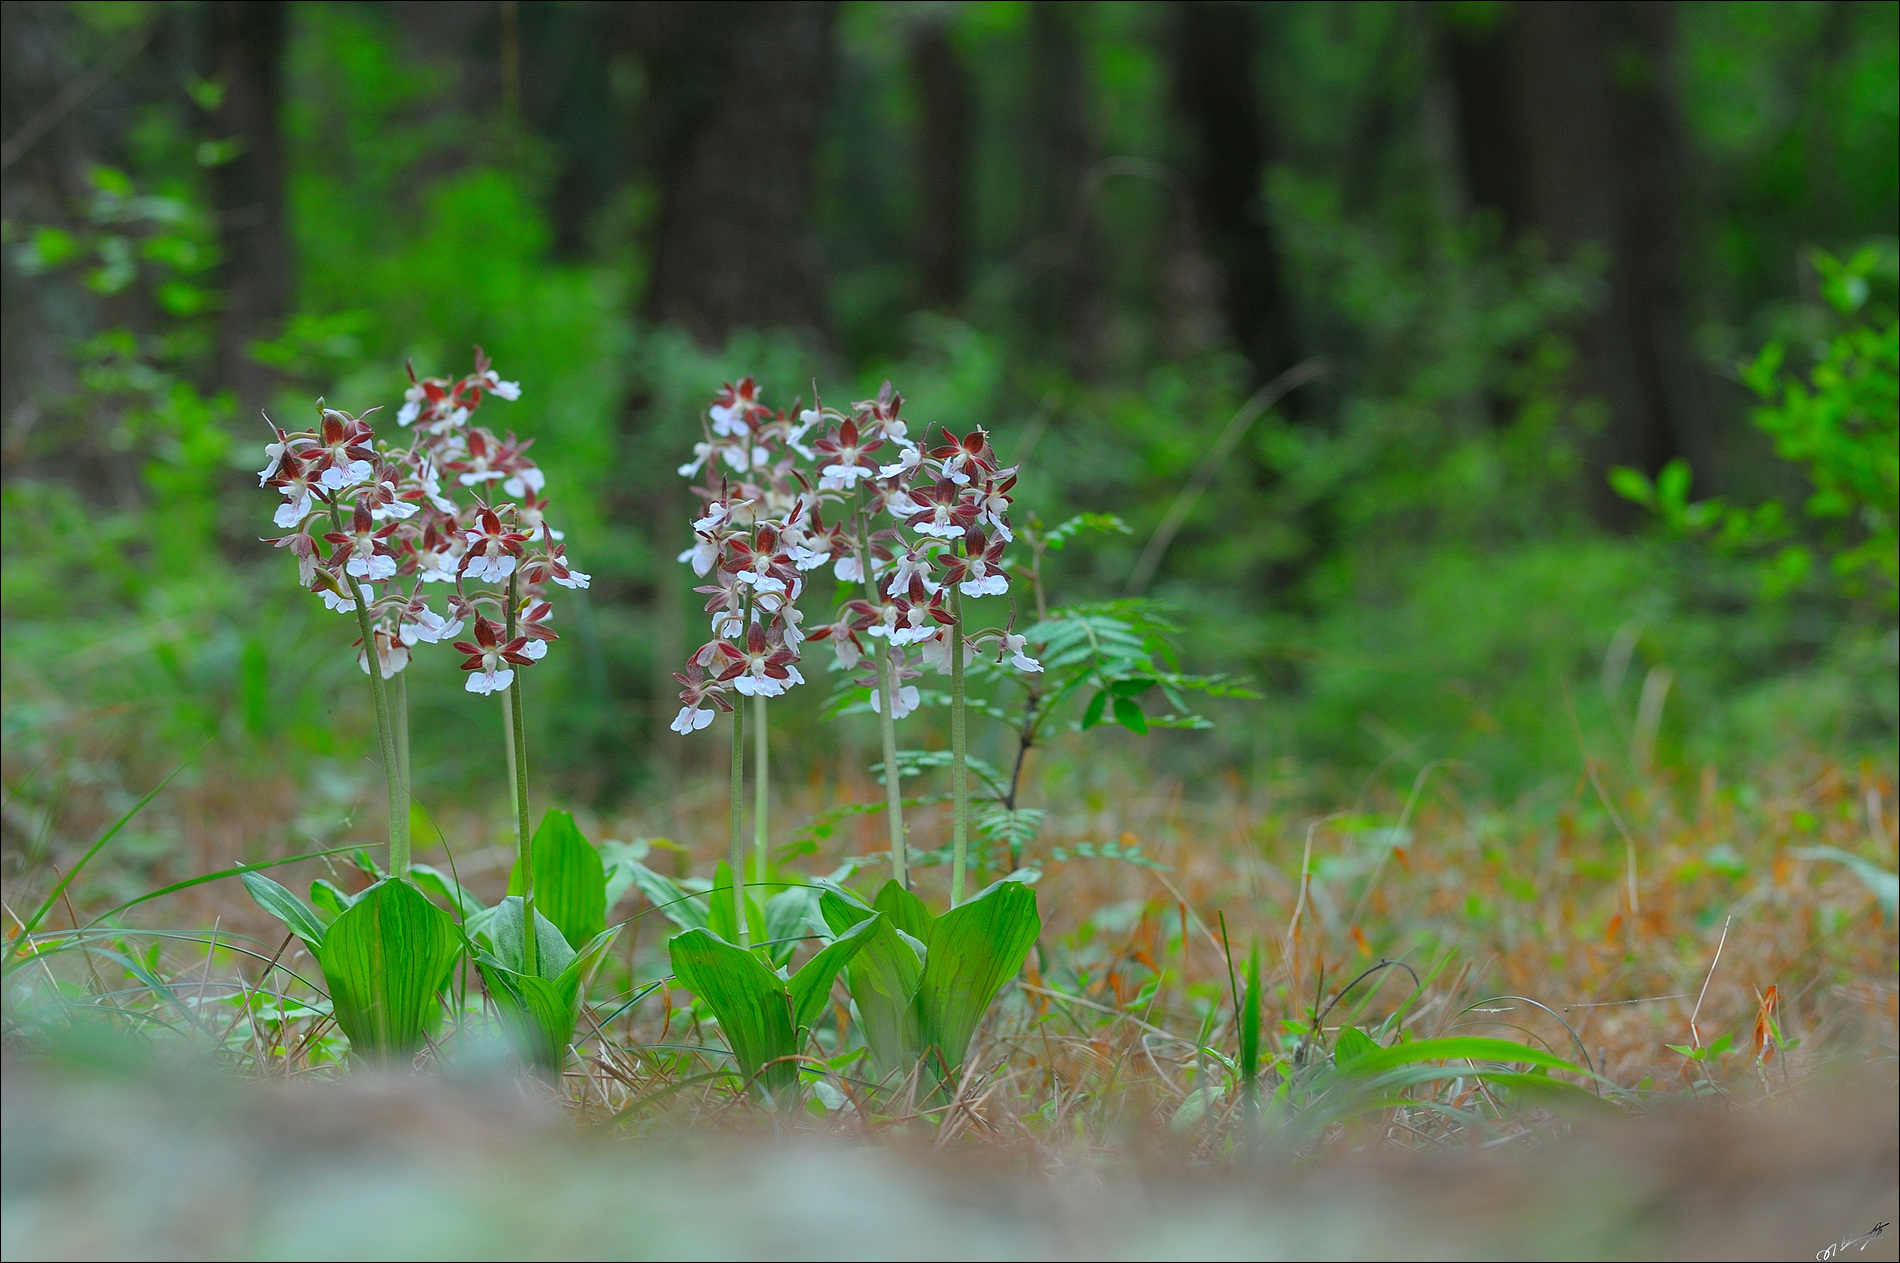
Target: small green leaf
{"type": "Point", "coordinates": [444, 887]}
{"type": "Point", "coordinates": [541, 1012]}
{"type": "Point", "coordinates": [1351, 1045]}
{"type": "Point", "coordinates": [570, 883]}
{"type": "Point", "coordinates": [385, 960]}
{"type": "Point", "coordinates": [552, 952]}
{"type": "Point", "coordinates": [329, 901]}
{"type": "Point", "coordinates": [1131, 688]}
{"type": "Point", "coordinates": [1634, 485]}
{"type": "Point", "coordinates": [1471, 1049]}
{"type": "Point", "coordinates": [286, 907]}
{"type": "Point", "coordinates": [1098, 705]}
{"type": "Point", "coordinates": [1128, 715]}
{"type": "Point", "coordinates": [685, 910]}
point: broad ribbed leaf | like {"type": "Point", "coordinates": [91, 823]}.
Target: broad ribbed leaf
{"type": "Point", "coordinates": [751, 1003]}
{"type": "Point", "coordinates": [972, 951]}
{"type": "Point", "coordinates": [286, 907]}
{"type": "Point", "coordinates": [883, 980]}
{"type": "Point", "coordinates": [905, 910]}
{"type": "Point", "coordinates": [551, 951]}
{"type": "Point", "coordinates": [570, 882]}
{"type": "Point", "coordinates": [811, 985]}
{"type": "Point", "coordinates": [385, 959]}
{"type": "Point", "coordinates": [684, 910]}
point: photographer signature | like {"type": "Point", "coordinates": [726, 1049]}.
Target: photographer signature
{"type": "Point", "coordinates": [1840, 1247]}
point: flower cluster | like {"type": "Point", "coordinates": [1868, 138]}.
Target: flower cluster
{"type": "Point", "coordinates": [791, 491]}
{"type": "Point", "coordinates": [363, 514]}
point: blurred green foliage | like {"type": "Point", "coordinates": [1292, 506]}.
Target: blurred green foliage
{"type": "Point", "coordinates": [1407, 571]}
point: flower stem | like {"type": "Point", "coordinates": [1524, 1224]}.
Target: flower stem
{"type": "Point", "coordinates": [519, 742]}
{"type": "Point", "coordinates": [737, 850]}
{"type": "Point", "coordinates": [399, 718]}
{"type": "Point", "coordinates": [886, 720]}
{"type": "Point", "coordinates": [508, 746]}
{"type": "Point", "coordinates": [398, 813]}
{"type": "Point", "coordinates": [959, 758]}
{"type": "Point", "coordinates": [761, 787]}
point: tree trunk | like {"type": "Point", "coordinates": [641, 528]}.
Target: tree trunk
{"type": "Point", "coordinates": [1570, 131]}
{"type": "Point", "coordinates": [1228, 146]}
{"type": "Point", "coordinates": [1061, 294]}
{"type": "Point", "coordinates": [743, 86]}
{"type": "Point", "coordinates": [943, 166]}
{"type": "Point", "coordinates": [247, 51]}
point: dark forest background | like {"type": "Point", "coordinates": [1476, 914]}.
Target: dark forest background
{"type": "Point", "coordinates": [1513, 246]}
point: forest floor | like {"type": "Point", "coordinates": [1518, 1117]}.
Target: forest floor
{"type": "Point", "coordinates": [1751, 927]}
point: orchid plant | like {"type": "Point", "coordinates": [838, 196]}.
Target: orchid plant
{"type": "Point", "coordinates": [361, 513]}
{"type": "Point", "coordinates": [911, 530]}
{"type": "Point", "coordinates": [918, 527]}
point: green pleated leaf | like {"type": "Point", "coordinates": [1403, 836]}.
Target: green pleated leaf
{"type": "Point", "coordinates": [685, 910]}
{"type": "Point", "coordinates": [811, 985]}
{"type": "Point", "coordinates": [286, 907]}
{"type": "Point", "coordinates": [751, 1003]}
{"type": "Point", "coordinates": [905, 910]}
{"type": "Point", "coordinates": [503, 932]}
{"type": "Point", "coordinates": [883, 979]}
{"type": "Point", "coordinates": [972, 951]}
{"type": "Point", "coordinates": [385, 959]}
{"type": "Point", "coordinates": [570, 882]}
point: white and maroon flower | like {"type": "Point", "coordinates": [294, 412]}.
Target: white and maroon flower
{"type": "Point", "coordinates": [992, 504]}
{"type": "Point", "coordinates": [980, 572]}
{"type": "Point", "coordinates": [847, 457]}
{"type": "Point", "coordinates": [383, 501]}
{"type": "Point", "coordinates": [417, 624]}
{"type": "Point", "coordinates": [493, 550]}
{"type": "Point", "coordinates": [391, 655]}
{"type": "Point", "coordinates": [361, 551]}
{"type": "Point", "coordinates": [1013, 646]}
{"type": "Point", "coordinates": [965, 458]}
{"type": "Point", "coordinates": [485, 461]}
{"type": "Point", "coordinates": [491, 382]}
{"type": "Point", "coordinates": [760, 668]}
{"type": "Point", "coordinates": [344, 455]}
{"type": "Point", "coordinates": [695, 714]}
{"type": "Point", "coordinates": [489, 658]}
{"type": "Point", "coordinates": [935, 653]}
{"type": "Point", "coordinates": [274, 453]}
{"type": "Point", "coordinates": [297, 479]}
{"type": "Point", "coordinates": [942, 511]}
{"type": "Point", "coordinates": [734, 408]}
